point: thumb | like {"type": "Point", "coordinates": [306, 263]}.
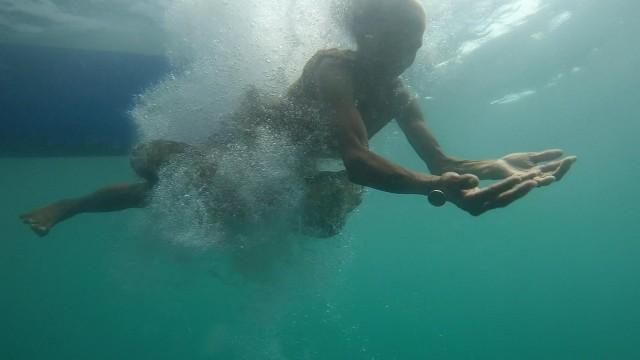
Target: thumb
{"type": "Point", "coordinates": [469, 181]}
{"type": "Point", "coordinates": [461, 182]}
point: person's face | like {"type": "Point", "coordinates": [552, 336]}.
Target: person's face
{"type": "Point", "coordinates": [392, 49]}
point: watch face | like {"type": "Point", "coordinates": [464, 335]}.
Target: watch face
{"type": "Point", "coordinates": [437, 198]}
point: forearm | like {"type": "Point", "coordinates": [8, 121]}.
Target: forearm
{"type": "Point", "coordinates": [426, 146]}
{"type": "Point", "coordinates": [438, 162]}
{"type": "Point", "coordinates": [432, 154]}
{"type": "Point", "coordinates": [483, 169]}
{"type": "Point", "coordinates": [371, 170]}
{"type": "Point", "coordinates": [430, 151]}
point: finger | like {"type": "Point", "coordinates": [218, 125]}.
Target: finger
{"type": "Point", "coordinates": [27, 219]}
{"type": "Point", "coordinates": [40, 230]}
{"type": "Point", "coordinates": [498, 188]}
{"type": "Point", "coordinates": [554, 166]}
{"type": "Point", "coordinates": [547, 155]}
{"type": "Point", "coordinates": [564, 167]}
{"type": "Point", "coordinates": [545, 180]}
{"type": "Point", "coordinates": [551, 167]}
{"type": "Point", "coordinates": [531, 174]}
{"type": "Point", "coordinates": [512, 195]}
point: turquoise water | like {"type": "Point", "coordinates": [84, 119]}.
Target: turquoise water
{"type": "Point", "coordinates": [554, 276]}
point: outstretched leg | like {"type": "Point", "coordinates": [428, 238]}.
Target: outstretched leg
{"type": "Point", "coordinates": [112, 198]}
{"type": "Point", "coordinates": [146, 160]}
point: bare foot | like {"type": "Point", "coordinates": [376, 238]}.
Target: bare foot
{"type": "Point", "coordinates": [43, 219]}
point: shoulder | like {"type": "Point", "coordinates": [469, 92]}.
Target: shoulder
{"type": "Point", "coordinates": [343, 56]}
{"type": "Point", "coordinates": [331, 61]}
{"type": "Point", "coordinates": [326, 69]}
{"type": "Point", "coordinates": [335, 81]}
{"type": "Point", "coordinates": [334, 73]}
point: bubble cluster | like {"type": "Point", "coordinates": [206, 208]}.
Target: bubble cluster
{"type": "Point", "coordinates": [218, 50]}
{"type": "Point", "coordinates": [240, 193]}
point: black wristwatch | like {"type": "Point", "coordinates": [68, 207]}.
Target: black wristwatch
{"type": "Point", "coordinates": [437, 198]}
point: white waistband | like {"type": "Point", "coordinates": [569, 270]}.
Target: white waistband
{"type": "Point", "coordinates": [329, 164]}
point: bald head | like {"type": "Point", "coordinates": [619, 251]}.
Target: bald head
{"type": "Point", "coordinates": [388, 33]}
{"type": "Point", "coordinates": [374, 16]}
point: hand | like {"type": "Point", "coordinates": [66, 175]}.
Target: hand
{"type": "Point", "coordinates": [544, 167]}
{"type": "Point", "coordinates": [463, 191]}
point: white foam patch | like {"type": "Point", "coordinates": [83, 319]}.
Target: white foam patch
{"type": "Point", "coordinates": [229, 194]}
{"type": "Point", "coordinates": [560, 20]}
{"type": "Point", "coordinates": [511, 98]}
{"type": "Point", "coordinates": [501, 22]}
{"type": "Point", "coordinates": [458, 29]}
{"type": "Point", "coordinates": [554, 24]}
{"type": "Point", "coordinates": [539, 35]}
{"type": "Point", "coordinates": [559, 77]}
{"type": "Point", "coordinates": [555, 80]}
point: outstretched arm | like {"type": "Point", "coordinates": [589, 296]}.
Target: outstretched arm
{"type": "Point", "coordinates": [544, 167]}
{"type": "Point", "coordinates": [363, 166]}
{"type": "Point", "coordinates": [369, 169]}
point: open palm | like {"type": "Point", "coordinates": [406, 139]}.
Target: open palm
{"type": "Point", "coordinates": [519, 173]}
{"type": "Point", "coordinates": [545, 167]}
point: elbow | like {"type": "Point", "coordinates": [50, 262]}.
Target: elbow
{"type": "Point", "coordinates": [357, 167]}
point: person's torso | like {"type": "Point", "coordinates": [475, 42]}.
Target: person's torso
{"type": "Point", "coordinates": [307, 114]}
{"type": "Point", "coordinates": [301, 118]}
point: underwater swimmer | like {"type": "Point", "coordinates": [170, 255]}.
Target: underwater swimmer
{"type": "Point", "coordinates": [342, 99]}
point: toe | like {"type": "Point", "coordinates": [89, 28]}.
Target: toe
{"type": "Point", "coordinates": [40, 230]}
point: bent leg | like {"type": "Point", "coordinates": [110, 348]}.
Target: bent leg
{"type": "Point", "coordinates": [146, 160]}
{"type": "Point", "coordinates": [112, 198]}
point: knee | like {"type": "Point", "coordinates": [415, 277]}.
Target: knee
{"type": "Point", "coordinates": [142, 163]}
{"type": "Point", "coordinates": [147, 158]}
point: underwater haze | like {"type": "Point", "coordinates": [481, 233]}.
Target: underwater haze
{"type": "Point", "coordinates": [553, 276]}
